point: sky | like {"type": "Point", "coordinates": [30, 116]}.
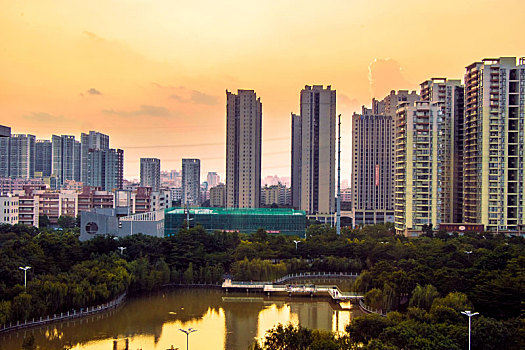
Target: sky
{"type": "Point", "coordinates": [152, 74]}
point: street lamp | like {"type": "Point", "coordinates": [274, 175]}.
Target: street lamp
{"type": "Point", "coordinates": [25, 275]}
{"type": "Point", "coordinates": [121, 250]}
{"type": "Point", "coordinates": [469, 314]}
{"type": "Point", "coordinates": [188, 331]}
{"type": "Point", "coordinates": [296, 242]}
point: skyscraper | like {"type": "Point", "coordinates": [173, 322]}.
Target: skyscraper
{"type": "Point", "coordinates": [44, 157]}
{"type": "Point", "coordinates": [243, 149]}
{"type": "Point", "coordinates": [105, 168]}
{"type": "Point", "coordinates": [372, 168]}
{"type": "Point", "coordinates": [494, 165]}
{"type": "Point", "coordinates": [66, 158]}
{"type": "Point", "coordinates": [150, 173]}
{"type": "Point", "coordinates": [317, 124]}
{"type": "Point", "coordinates": [450, 93]}
{"type": "Point", "coordinates": [21, 156]}
{"type": "Point", "coordinates": [296, 160]}
{"type": "Point", "coordinates": [213, 179]}
{"type": "Point", "coordinates": [191, 176]}
{"type": "Point", "coordinates": [419, 160]}
{"type": "Point", "coordinates": [96, 141]}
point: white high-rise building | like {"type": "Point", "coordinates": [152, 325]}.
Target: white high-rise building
{"type": "Point", "coordinates": [9, 209]}
{"type": "Point", "coordinates": [243, 149]}
{"type": "Point", "coordinates": [150, 173]}
{"type": "Point", "coordinates": [191, 177]}
{"type": "Point", "coordinates": [494, 165]}
{"type": "Point", "coordinates": [317, 161]}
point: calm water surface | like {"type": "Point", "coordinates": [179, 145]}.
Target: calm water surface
{"type": "Point", "coordinates": [223, 321]}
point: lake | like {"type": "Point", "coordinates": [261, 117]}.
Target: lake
{"type": "Point", "coordinates": [222, 320]}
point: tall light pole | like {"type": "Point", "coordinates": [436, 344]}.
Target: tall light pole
{"type": "Point", "coordinates": [296, 242]}
{"type": "Point", "coordinates": [469, 314]}
{"type": "Point", "coordinates": [188, 331]}
{"type": "Point", "coordinates": [121, 250]}
{"type": "Point", "coordinates": [468, 252]}
{"type": "Point", "coordinates": [25, 275]}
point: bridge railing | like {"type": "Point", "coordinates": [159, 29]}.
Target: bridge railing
{"type": "Point", "coordinates": [63, 315]}
{"type": "Point", "coordinates": [369, 310]}
{"type": "Point", "coordinates": [315, 275]}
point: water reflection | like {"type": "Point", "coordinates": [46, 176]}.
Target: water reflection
{"type": "Point", "coordinates": [223, 321]}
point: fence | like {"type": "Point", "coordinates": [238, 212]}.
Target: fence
{"type": "Point", "coordinates": [315, 275]}
{"type": "Point", "coordinates": [63, 315]}
{"type": "Point", "coordinates": [369, 310]}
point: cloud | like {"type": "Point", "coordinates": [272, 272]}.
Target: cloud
{"type": "Point", "coordinates": [347, 102]}
{"type": "Point", "coordinates": [156, 111]}
{"type": "Point", "coordinates": [185, 95]}
{"type": "Point", "coordinates": [42, 117]}
{"type": "Point", "coordinates": [385, 75]}
{"type": "Point", "coordinates": [94, 91]}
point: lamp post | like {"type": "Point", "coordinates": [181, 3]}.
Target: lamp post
{"type": "Point", "coordinates": [468, 252]}
{"type": "Point", "coordinates": [121, 250]}
{"type": "Point", "coordinates": [188, 331]}
{"type": "Point", "coordinates": [296, 243]}
{"type": "Point", "coordinates": [25, 275]}
{"type": "Point", "coordinates": [469, 314]}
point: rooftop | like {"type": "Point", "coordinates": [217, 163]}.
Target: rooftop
{"type": "Point", "coordinates": [236, 211]}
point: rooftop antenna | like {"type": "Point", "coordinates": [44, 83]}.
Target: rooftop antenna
{"type": "Point", "coordinates": [339, 176]}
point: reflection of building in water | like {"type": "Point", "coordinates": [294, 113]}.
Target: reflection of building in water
{"type": "Point", "coordinates": [241, 320]}
{"type": "Point", "coordinates": [313, 315]}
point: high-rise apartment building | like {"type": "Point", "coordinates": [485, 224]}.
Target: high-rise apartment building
{"type": "Point", "coordinates": [494, 158]}
{"type": "Point", "coordinates": [419, 160]}
{"type": "Point", "coordinates": [388, 105]}
{"type": "Point", "coordinates": [191, 177]}
{"type": "Point", "coordinates": [66, 158]}
{"type": "Point", "coordinates": [451, 94]}
{"type": "Point", "coordinates": [297, 150]}
{"type": "Point", "coordinates": [21, 156]}
{"type": "Point", "coordinates": [44, 157]}
{"type": "Point", "coordinates": [92, 141]}
{"type": "Point", "coordinates": [217, 196]}
{"type": "Point", "coordinates": [372, 168]}
{"type": "Point", "coordinates": [213, 179]}
{"type": "Point", "coordinates": [150, 173]}
{"type": "Point", "coordinates": [317, 161]}
{"type": "Point", "coordinates": [243, 149]}
{"type": "Point", "coordinates": [105, 168]}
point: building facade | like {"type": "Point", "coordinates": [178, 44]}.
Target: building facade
{"type": "Point", "coordinates": [451, 94]}
{"type": "Point", "coordinates": [494, 160]}
{"type": "Point", "coordinates": [150, 173]}
{"type": "Point", "coordinates": [218, 196]}
{"type": "Point", "coordinates": [317, 162]}
{"type": "Point", "coordinates": [9, 207]}
{"type": "Point", "coordinates": [372, 169]}
{"type": "Point", "coordinates": [43, 157]}
{"type": "Point", "coordinates": [66, 163]}
{"type": "Point", "coordinates": [92, 141]}
{"type": "Point", "coordinates": [243, 149]}
{"type": "Point", "coordinates": [419, 160]}
{"type": "Point", "coordinates": [297, 151]}
{"type": "Point", "coordinates": [191, 177]}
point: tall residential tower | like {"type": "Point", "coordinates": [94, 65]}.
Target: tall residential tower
{"type": "Point", "coordinates": [243, 149]}
{"type": "Point", "coordinates": [191, 181]}
{"type": "Point", "coordinates": [150, 173]}
{"type": "Point", "coordinates": [494, 165]}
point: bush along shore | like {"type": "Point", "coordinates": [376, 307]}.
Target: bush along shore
{"type": "Point", "coordinates": [422, 284]}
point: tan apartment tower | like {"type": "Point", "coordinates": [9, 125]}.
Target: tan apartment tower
{"type": "Point", "coordinates": [316, 164]}
{"type": "Point", "coordinates": [451, 93]}
{"type": "Point", "coordinates": [418, 163]}
{"type": "Point", "coordinates": [243, 149]}
{"type": "Point", "coordinates": [494, 173]}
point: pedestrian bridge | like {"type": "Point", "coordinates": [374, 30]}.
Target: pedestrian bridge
{"type": "Point", "coordinates": [311, 290]}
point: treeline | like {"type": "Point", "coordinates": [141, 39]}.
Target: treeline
{"type": "Point", "coordinates": [395, 273]}
{"type": "Point", "coordinates": [436, 326]}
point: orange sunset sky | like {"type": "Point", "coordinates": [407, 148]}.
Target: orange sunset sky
{"type": "Point", "coordinates": [152, 74]}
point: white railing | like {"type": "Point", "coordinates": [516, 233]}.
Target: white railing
{"type": "Point", "coordinates": [369, 310]}
{"type": "Point", "coordinates": [63, 315]}
{"type": "Point", "coordinates": [315, 275]}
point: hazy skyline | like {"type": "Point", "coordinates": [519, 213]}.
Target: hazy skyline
{"type": "Point", "coordinates": [153, 75]}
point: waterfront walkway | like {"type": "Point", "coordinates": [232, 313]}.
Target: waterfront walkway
{"type": "Point", "coordinates": [279, 287]}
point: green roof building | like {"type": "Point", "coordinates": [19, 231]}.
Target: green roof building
{"type": "Point", "coordinates": [244, 220]}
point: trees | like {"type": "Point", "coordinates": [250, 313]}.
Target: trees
{"type": "Point", "coordinates": [66, 222]}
